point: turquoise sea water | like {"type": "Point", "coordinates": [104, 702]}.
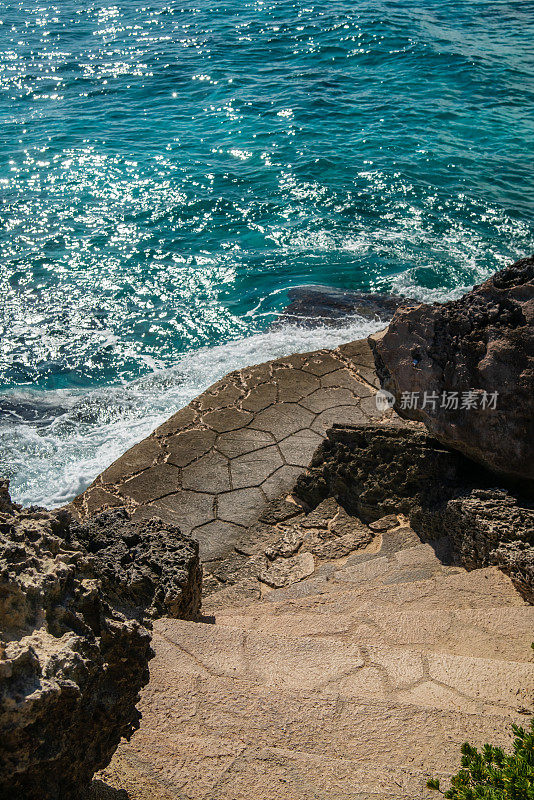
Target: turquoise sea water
{"type": "Point", "coordinates": [169, 170]}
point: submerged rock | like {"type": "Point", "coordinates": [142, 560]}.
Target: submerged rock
{"type": "Point", "coordinates": [314, 306]}
{"type": "Point", "coordinates": [73, 651]}
{"type": "Point", "coordinates": [473, 361]}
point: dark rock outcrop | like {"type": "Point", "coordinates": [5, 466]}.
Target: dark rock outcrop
{"type": "Point", "coordinates": [486, 526]}
{"type": "Point", "coordinates": [313, 306]}
{"type": "Point", "coordinates": [481, 344]}
{"type": "Point", "coordinates": [73, 653]}
{"type": "Point", "coordinates": [374, 470]}
{"type": "Point", "coordinates": [148, 566]}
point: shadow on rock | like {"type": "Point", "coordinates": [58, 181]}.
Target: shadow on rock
{"type": "Point", "coordinates": [99, 790]}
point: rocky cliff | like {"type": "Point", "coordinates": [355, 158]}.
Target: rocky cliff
{"type": "Point", "coordinates": [466, 369]}
{"type": "Point", "coordinates": [74, 651]}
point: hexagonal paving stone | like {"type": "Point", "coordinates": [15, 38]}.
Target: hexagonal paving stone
{"type": "Point", "coordinates": [208, 474]}
{"type": "Point", "coordinates": [359, 352]}
{"type": "Point", "coordinates": [161, 479]}
{"type": "Point", "coordinates": [368, 406]}
{"type": "Point", "coordinates": [322, 364]}
{"type": "Point", "coordinates": [227, 419]}
{"type": "Point", "coordinates": [348, 415]}
{"type": "Point", "coordinates": [252, 468]}
{"type": "Point", "coordinates": [259, 373]}
{"type": "Point", "coordinates": [282, 419]}
{"type": "Point", "coordinates": [242, 506]}
{"type": "Point", "coordinates": [221, 395]}
{"type": "Point", "coordinates": [260, 397]}
{"type": "Point", "coordinates": [368, 374]}
{"type": "Point", "coordinates": [237, 443]}
{"type": "Point", "coordinates": [329, 397]}
{"type": "Point", "coordinates": [96, 499]}
{"type": "Point", "coordinates": [347, 379]}
{"type": "Point", "coordinates": [299, 448]}
{"type": "Point", "coordinates": [297, 360]}
{"type": "Point", "coordinates": [185, 447]}
{"type": "Point", "coordinates": [185, 509]}
{"type": "Point", "coordinates": [139, 457]}
{"type": "Point", "coordinates": [216, 538]}
{"type": "Point", "coordinates": [182, 419]}
{"type": "Point", "coordinates": [281, 482]}
{"type": "Point", "coordinates": [294, 384]}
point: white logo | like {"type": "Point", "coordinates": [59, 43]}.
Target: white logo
{"type": "Point", "coordinates": [384, 400]}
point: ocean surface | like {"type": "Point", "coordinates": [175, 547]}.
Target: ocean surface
{"type": "Point", "coordinates": [169, 170]}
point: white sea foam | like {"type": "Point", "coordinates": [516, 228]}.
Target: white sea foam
{"type": "Point", "coordinates": [73, 435]}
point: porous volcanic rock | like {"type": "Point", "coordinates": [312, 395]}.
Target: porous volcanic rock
{"type": "Point", "coordinates": [375, 471]}
{"type": "Point", "coordinates": [71, 663]}
{"type": "Point", "coordinates": [486, 527]}
{"type": "Point", "coordinates": [146, 565]}
{"type": "Point", "coordinates": [482, 343]}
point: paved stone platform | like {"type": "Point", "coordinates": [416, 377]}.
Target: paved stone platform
{"type": "Point", "coordinates": [213, 466]}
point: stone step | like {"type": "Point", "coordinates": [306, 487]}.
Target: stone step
{"type": "Point", "coordinates": [348, 586]}
{"type": "Point", "coordinates": [495, 633]}
{"type": "Point", "coordinates": [291, 698]}
{"type": "Point", "coordinates": [208, 736]}
{"type": "Point", "coordinates": [219, 769]}
{"type": "Point", "coordinates": [348, 669]}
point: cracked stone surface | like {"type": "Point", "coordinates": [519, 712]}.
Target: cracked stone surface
{"type": "Point", "coordinates": [239, 445]}
{"type": "Point", "coordinates": [370, 673]}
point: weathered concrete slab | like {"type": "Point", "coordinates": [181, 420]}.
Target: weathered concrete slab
{"type": "Point", "coordinates": [213, 465]}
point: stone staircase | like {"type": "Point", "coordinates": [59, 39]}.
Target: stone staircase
{"type": "Point", "coordinates": [358, 682]}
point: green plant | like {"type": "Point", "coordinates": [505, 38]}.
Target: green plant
{"type": "Point", "coordinates": [493, 774]}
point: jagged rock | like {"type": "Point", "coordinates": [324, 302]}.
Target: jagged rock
{"type": "Point", "coordinates": [320, 516]}
{"type": "Point", "coordinates": [147, 565]}
{"type": "Point", "coordinates": [337, 546]}
{"type": "Point", "coordinates": [71, 666]}
{"type": "Point", "coordinates": [71, 663]}
{"type": "Point", "coordinates": [257, 538]}
{"type": "Point", "coordinates": [328, 532]}
{"type": "Point", "coordinates": [384, 523]}
{"type": "Point", "coordinates": [285, 571]}
{"type": "Point", "coordinates": [486, 526]}
{"type": "Point", "coordinates": [287, 545]}
{"type": "Point", "coordinates": [374, 470]}
{"type": "Point", "coordinates": [348, 525]}
{"type": "Point", "coordinates": [279, 510]}
{"type": "Point", "coordinates": [482, 343]}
